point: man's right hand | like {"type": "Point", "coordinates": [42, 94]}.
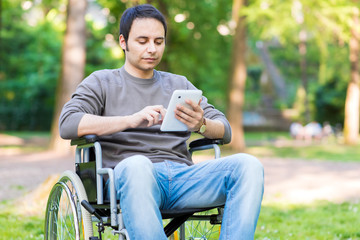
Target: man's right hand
{"type": "Point", "coordinates": [147, 117]}
{"type": "Point", "coordinates": [100, 125]}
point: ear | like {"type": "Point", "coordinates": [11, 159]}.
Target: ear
{"type": "Point", "coordinates": [122, 42]}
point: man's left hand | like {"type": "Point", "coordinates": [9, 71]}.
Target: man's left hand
{"type": "Point", "coordinates": [193, 117]}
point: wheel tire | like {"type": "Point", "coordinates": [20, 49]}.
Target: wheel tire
{"type": "Point", "coordinates": [65, 218]}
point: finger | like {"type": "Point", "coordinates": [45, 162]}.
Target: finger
{"type": "Point", "coordinates": [158, 108]}
{"type": "Point", "coordinates": [160, 113]}
{"type": "Point", "coordinates": [183, 115]}
{"type": "Point", "coordinates": [191, 103]}
{"type": "Point", "coordinates": [155, 117]}
{"type": "Point", "coordinates": [150, 120]}
{"type": "Point", "coordinates": [195, 106]}
{"type": "Point", "coordinates": [182, 108]}
{"type": "Point", "coordinates": [187, 120]}
{"type": "Point", "coordinates": [163, 113]}
{"type": "Point", "coordinates": [196, 112]}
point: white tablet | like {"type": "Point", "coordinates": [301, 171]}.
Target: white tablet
{"type": "Point", "coordinates": [170, 123]}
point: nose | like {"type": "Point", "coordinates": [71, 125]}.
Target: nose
{"type": "Point", "coordinates": [151, 47]}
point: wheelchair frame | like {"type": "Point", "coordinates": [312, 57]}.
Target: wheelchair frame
{"type": "Point", "coordinates": [88, 152]}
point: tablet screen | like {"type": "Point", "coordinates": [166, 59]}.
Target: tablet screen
{"type": "Point", "coordinates": [170, 123]}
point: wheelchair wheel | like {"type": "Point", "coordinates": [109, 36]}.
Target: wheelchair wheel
{"type": "Point", "coordinates": [65, 218]}
{"type": "Point", "coordinates": [199, 227]}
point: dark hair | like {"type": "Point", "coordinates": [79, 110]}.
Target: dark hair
{"type": "Point", "coordinates": [140, 11]}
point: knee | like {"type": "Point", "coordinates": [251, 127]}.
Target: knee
{"type": "Point", "coordinates": [136, 177]}
{"type": "Point", "coordinates": [134, 167]}
{"type": "Point", "coordinates": [248, 165]}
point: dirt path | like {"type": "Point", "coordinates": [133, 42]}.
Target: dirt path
{"type": "Point", "coordinates": [286, 180]}
{"type": "Point", "coordinates": [299, 181]}
{"type": "Point", "coordinates": [20, 174]}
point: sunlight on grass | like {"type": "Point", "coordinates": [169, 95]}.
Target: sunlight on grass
{"type": "Point", "coordinates": [15, 226]}
{"type": "Point", "coordinates": [281, 146]}
{"type": "Point", "coordinates": [320, 220]}
{"type": "Point", "coordinates": [334, 152]}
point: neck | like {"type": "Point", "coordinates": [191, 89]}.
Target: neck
{"type": "Point", "coordinates": [144, 74]}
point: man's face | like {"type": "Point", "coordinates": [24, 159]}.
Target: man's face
{"type": "Point", "coordinates": [145, 47]}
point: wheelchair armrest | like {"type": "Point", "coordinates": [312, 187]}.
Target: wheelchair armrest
{"type": "Point", "coordinates": [205, 141]}
{"type": "Point", "coordinates": [84, 140]}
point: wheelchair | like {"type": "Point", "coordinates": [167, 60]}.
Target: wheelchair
{"type": "Point", "coordinates": [76, 202]}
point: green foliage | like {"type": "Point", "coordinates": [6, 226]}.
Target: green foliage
{"type": "Point", "coordinates": [198, 51]}
{"type": "Point", "coordinates": [30, 57]}
{"type": "Point", "coordinates": [30, 52]}
{"type": "Point", "coordinates": [330, 95]}
{"type": "Point", "coordinates": [330, 101]}
{"type": "Point", "coordinates": [327, 25]}
{"type": "Point", "coordinates": [285, 19]}
{"type": "Point", "coordinates": [97, 56]}
{"type": "Point", "coordinates": [253, 92]}
{"type": "Point", "coordinates": [29, 71]}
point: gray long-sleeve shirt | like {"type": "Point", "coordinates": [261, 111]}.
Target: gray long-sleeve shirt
{"type": "Point", "coordinates": [117, 93]}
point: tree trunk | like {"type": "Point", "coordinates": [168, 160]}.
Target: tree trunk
{"type": "Point", "coordinates": [238, 79]}
{"type": "Point", "coordinates": [303, 68]}
{"type": "Point", "coordinates": [73, 65]}
{"type": "Point", "coordinates": [351, 122]}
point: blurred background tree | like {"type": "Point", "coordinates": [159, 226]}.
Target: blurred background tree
{"type": "Point", "coordinates": [317, 26]}
{"type": "Point", "coordinates": [238, 77]}
{"type": "Point", "coordinates": [73, 60]}
{"type": "Point", "coordinates": [298, 57]}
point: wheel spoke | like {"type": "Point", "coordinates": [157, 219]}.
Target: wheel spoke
{"type": "Point", "coordinates": [201, 229]}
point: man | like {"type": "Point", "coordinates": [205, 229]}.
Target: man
{"type": "Point", "coordinates": [153, 169]}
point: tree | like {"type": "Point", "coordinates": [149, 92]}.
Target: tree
{"type": "Point", "coordinates": [351, 121]}
{"type": "Point", "coordinates": [324, 22]}
{"type": "Point", "coordinates": [73, 65]}
{"type": "Point", "coordinates": [238, 78]}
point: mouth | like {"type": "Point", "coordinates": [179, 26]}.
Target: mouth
{"type": "Point", "coordinates": [150, 59]}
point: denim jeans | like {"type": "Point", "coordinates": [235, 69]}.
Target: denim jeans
{"type": "Point", "coordinates": [144, 188]}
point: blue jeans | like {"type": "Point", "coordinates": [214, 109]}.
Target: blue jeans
{"type": "Point", "coordinates": [144, 188]}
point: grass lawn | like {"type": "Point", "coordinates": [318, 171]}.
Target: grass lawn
{"type": "Point", "coordinates": [279, 144]}
{"type": "Point", "coordinates": [321, 220]}
{"type": "Point", "coordinates": [18, 227]}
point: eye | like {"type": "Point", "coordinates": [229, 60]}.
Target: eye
{"type": "Point", "coordinates": [159, 41]}
{"type": "Point", "coordinates": [142, 40]}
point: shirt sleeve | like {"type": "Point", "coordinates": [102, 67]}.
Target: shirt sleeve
{"type": "Point", "coordinates": [87, 99]}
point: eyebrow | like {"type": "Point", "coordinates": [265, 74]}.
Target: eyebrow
{"type": "Point", "coordinates": [157, 38]}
